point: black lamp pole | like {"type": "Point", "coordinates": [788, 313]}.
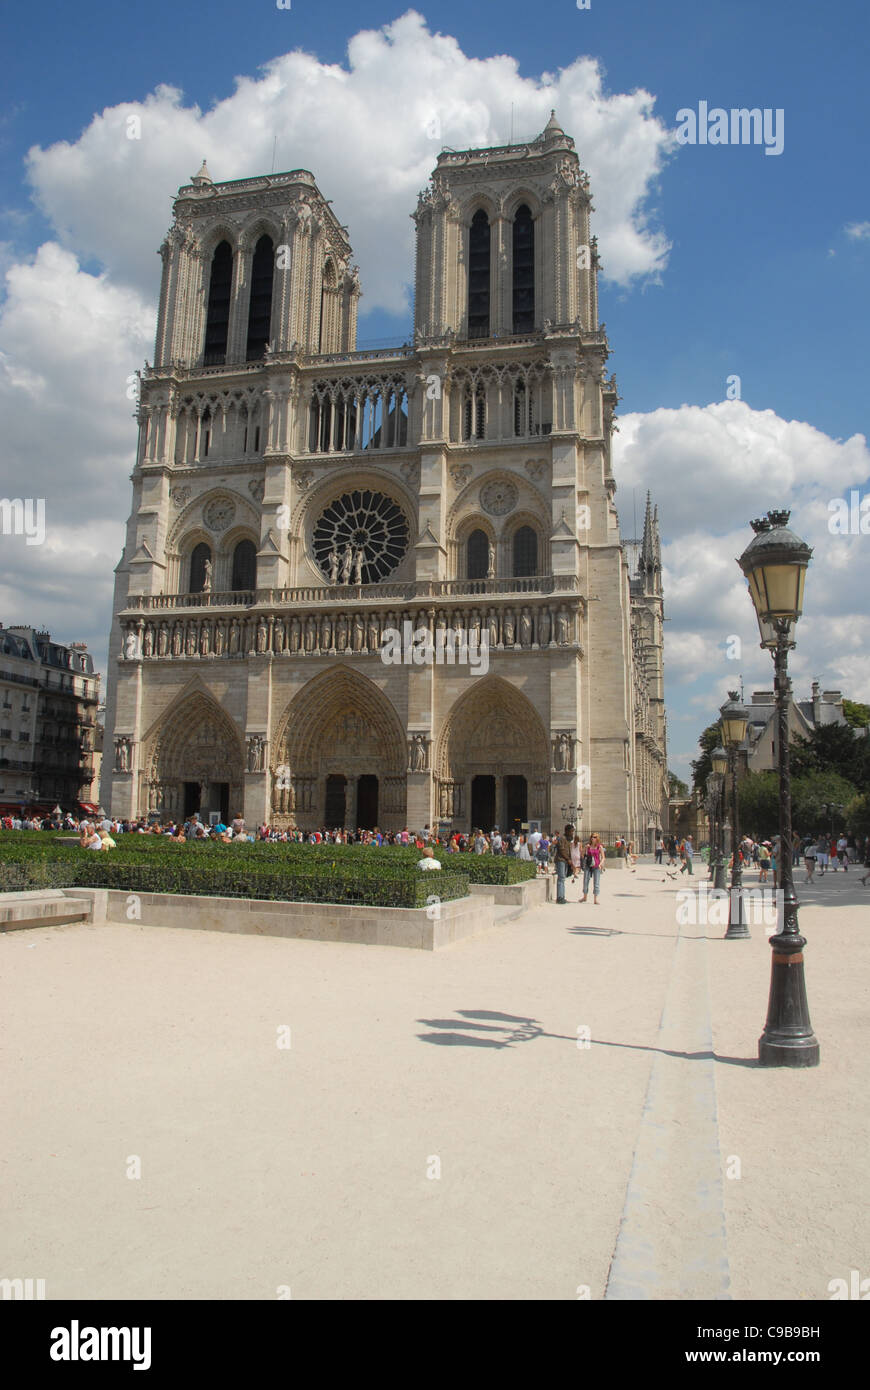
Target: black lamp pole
{"type": "Point", "coordinates": [775, 564]}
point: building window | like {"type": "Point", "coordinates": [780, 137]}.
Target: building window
{"type": "Point", "coordinates": [260, 311]}
{"type": "Point", "coordinates": [244, 566]}
{"type": "Point", "coordinates": [201, 553]}
{"type": "Point", "coordinates": [478, 276]}
{"type": "Point", "coordinates": [524, 271]}
{"type": "Point", "coordinates": [474, 415]}
{"type": "Point", "coordinates": [477, 555]}
{"type": "Point", "coordinates": [217, 323]}
{"type": "Point", "coordinates": [525, 553]}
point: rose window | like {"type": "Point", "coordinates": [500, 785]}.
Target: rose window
{"type": "Point", "coordinates": [360, 538]}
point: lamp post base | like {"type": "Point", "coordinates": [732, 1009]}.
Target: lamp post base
{"type": "Point", "coordinates": [788, 1039]}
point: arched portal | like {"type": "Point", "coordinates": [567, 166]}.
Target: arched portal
{"type": "Point", "coordinates": [493, 759]}
{"type": "Point", "coordinates": [195, 761]}
{"type": "Point", "coordinates": [340, 748]}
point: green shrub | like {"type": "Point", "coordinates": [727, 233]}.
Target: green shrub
{"type": "Point", "coordinates": [499, 868]}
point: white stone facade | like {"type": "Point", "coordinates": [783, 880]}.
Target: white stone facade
{"type": "Point", "coordinates": [295, 499]}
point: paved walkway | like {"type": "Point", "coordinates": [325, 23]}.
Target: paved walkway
{"type": "Point", "coordinates": [434, 1131]}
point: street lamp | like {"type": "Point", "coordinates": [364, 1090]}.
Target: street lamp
{"type": "Point", "coordinates": [775, 565]}
{"type": "Point", "coordinates": [572, 814]}
{"type": "Point", "coordinates": [719, 760]}
{"type": "Point", "coordinates": [734, 720]}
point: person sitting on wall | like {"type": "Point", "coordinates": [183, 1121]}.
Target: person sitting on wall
{"type": "Point", "coordinates": [428, 861]}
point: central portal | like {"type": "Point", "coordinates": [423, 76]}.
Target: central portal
{"type": "Point", "coordinates": [334, 812]}
{"type": "Point", "coordinates": [483, 802]}
{"type": "Point", "coordinates": [367, 802]}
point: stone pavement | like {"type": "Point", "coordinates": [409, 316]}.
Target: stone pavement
{"type": "Point", "coordinates": [434, 1131]}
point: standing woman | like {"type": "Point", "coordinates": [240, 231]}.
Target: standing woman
{"type": "Point", "coordinates": [593, 863]}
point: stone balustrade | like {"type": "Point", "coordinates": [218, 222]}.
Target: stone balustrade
{"type": "Point", "coordinates": [323, 595]}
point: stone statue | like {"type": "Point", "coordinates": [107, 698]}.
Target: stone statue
{"type": "Point", "coordinates": [149, 641]}
{"type": "Point", "coordinates": [490, 566]}
{"type": "Point", "coordinates": [358, 557]}
{"type": "Point", "coordinates": [131, 646]}
{"type": "Point", "coordinates": [234, 637]}
{"type": "Point", "coordinates": [325, 633]}
{"type": "Point", "coordinates": [310, 634]}
{"type": "Point", "coordinates": [262, 636]}
{"type": "Point", "coordinates": [278, 635]}
{"type": "Point", "coordinates": [190, 640]}
{"type": "Point", "coordinates": [418, 753]}
{"type": "Point", "coordinates": [295, 634]}
{"type": "Point", "coordinates": [176, 640]}
{"type": "Point", "coordinates": [562, 627]}
{"type": "Point", "coordinates": [525, 628]}
{"type": "Point", "coordinates": [346, 563]}
{"type": "Point", "coordinates": [374, 635]}
{"type": "Point", "coordinates": [122, 755]}
{"type": "Point", "coordinates": [219, 638]}
{"type": "Point", "coordinates": [255, 754]}
{"type": "Point", "coordinates": [543, 627]}
{"type": "Point", "coordinates": [163, 640]}
{"type": "Point", "coordinates": [492, 627]}
{"type": "Point", "coordinates": [341, 633]}
{"type": "Point", "coordinates": [508, 628]}
{"type": "Point", "coordinates": [474, 628]}
{"type": "Point", "coordinates": [334, 562]}
{"type": "Point", "coordinates": [358, 633]}
{"type": "Point", "coordinates": [206, 577]}
{"type": "Point", "coordinates": [205, 639]}
{"type": "Point", "coordinates": [563, 757]}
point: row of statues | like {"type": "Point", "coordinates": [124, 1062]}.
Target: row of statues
{"type": "Point", "coordinates": [355, 632]}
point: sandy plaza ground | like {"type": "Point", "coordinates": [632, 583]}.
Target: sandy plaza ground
{"type": "Point", "coordinates": [438, 1127]}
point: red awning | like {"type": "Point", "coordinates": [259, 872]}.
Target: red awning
{"type": "Point", "coordinates": [89, 806]}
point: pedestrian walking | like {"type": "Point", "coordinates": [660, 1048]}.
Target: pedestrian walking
{"type": "Point", "coordinates": [810, 860]}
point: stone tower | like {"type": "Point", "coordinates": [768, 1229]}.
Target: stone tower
{"type": "Point", "coordinates": [296, 501]}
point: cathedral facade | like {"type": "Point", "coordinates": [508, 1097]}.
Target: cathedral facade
{"type": "Point", "coordinates": [296, 502]}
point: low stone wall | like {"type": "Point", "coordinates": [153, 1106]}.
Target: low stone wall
{"type": "Point", "coordinates": [529, 894]}
{"type": "Point", "coordinates": [48, 907]}
{"type": "Point", "coordinates": [420, 928]}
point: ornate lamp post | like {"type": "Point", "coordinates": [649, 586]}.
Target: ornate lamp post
{"type": "Point", "coordinates": [734, 720]}
{"type": "Point", "coordinates": [719, 759]}
{"type": "Point", "coordinates": [775, 565]}
{"type": "Point", "coordinates": [572, 814]}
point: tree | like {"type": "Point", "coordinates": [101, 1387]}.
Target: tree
{"type": "Point", "coordinates": [833, 748]}
{"type": "Point", "coordinates": [702, 767]}
{"type": "Point", "coordinates": [858, 716]}
{"type": "Point", "coordinates": [677, 788]}
{"type": "Point", "coordinates": [758, 800]}
{"type": "Point", "coordinates": [811, 794]}
{"type": "Point", "coordinates": [858, 815]}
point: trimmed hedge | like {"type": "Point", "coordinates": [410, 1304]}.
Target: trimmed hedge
{"type": "Point", "coordinates": [495, 868]}
{"type": "Point", "coordinates": [243, 871]}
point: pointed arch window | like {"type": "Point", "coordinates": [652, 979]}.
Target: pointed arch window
{"type": "Point", "coordinates": [217, 322]}
{"type": "Point", "coordinates": [260, 310]}
{"type": "Point", "coordinates": [244, 566]}
{"type": "Point", "coordinates": [525, 555]}
{"type": "Point", "coordinates": [524, 271]}
{"type": "Point", "coordinates": [199, 555]}
{"type": "Point", "coordinates": [477, 555]}
{"type": "Point", "coordinates": [329, 309]}
{"type": "Point", "coordinates": [478, 276]}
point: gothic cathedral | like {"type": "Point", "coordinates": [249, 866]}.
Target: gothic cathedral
{"type": "Point", "coordinates": [297, 503]}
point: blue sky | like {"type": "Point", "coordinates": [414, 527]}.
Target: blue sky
{"type": "Point", "coordinates": [761, 278]}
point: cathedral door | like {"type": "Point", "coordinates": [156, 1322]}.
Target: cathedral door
{"type": "Point", "coordinates": [483, 803]}
{"type": "Point", "coordinates": [334, 814]}
{"type": "Point", "coordinates": [367, 801]}
{"type": "Point", "coordinates": [191, 798]}
{"type": "Point", "coordinates": [516, 791]}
